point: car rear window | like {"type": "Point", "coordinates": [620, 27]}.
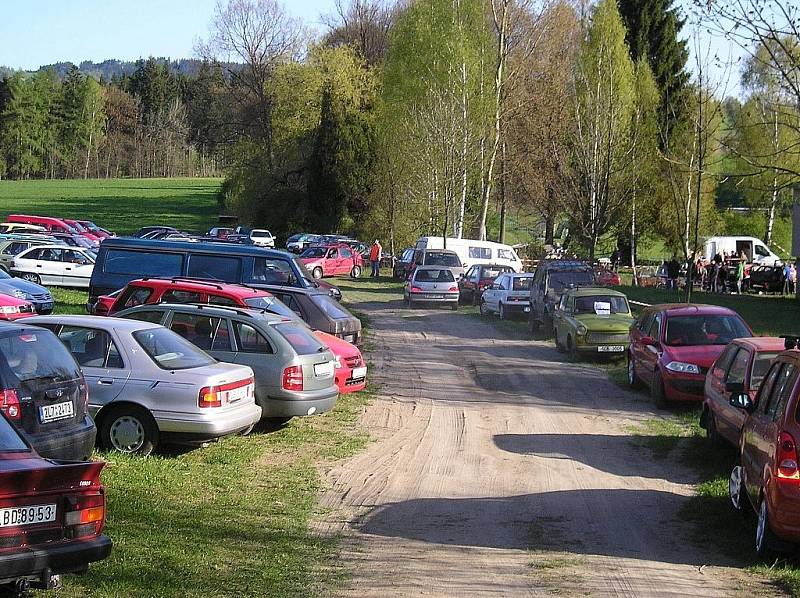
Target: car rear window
{"type": "Point", "coordinates": [271, 305]}
{"type": "Point", "coordinates": [36, 355]}
{"type": "Point", "coordinates": [492, 272]}
{"type": "Point", "coordinates": [143, 263]}
{"type": "Point", "coordinates": [171, 351]}
{"type": "Point", "coordinates": [709, 329]}
{"type": "Point", "coordinates": [760, 366]}
{"type": "Point", "coordinates": [522, 284]}
{"type": "Point", "coordinates": [449, 260]}
{"type": "Point", "coordinates": [300, 338]}
{"type": "Point", "coordinates": [330, 307]}
{"type": "Point", "coordinates": [562, 280]}
{"type": "Point", "coordinates": [434, 276]}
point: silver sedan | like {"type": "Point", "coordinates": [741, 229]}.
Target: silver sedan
{"type": "Point", "coordinates": [432, 284]}
{"type": "Point", "coordinates": [147, 383]}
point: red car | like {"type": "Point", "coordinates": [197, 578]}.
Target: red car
{"type": "Point", "coordinates": [741, 368]}
{"type": "Point", "coordinates": [476, 280]}
{"type": "Point", "coordinates": [12, 308]}
{"type": "Point", "coordinates": [767, 478]}
{"type": "Point", "coordinates": [672, 347]}
{"type": "Point", "coordinates": [607, 278]}
{"type": "Point", "coordinates": [96, 230]}
{"type": "Point", "coordinates": [51, 515]}
{"type": "Point", "coordinates": [350, 369]}
{"type": "Point", "coordinates": [332, 260]}
{"type": "Point", "coordinates": [84, 231]}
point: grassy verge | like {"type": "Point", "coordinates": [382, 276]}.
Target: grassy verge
{"type": "Point", "coordinates": [121, 205]}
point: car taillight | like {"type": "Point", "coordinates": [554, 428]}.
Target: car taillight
{"type": "Point", "coordinates": [9, 404]}
{"type": "Point", "coordinates": [453, 289]}
{"type": "Point", "coordinates": [83, 389]}
{"type": "Point", "coordinates": [293, 378]}
{"type": "Point", "coordinates": [416, 290]}
{"type": "Point", "coordinates": [209, 397]}
{"type": "Point", "coordinates": [787, 458]}
{"type": "Point", "coordinates": [85, 515]}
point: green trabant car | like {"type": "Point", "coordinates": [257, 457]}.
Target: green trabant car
{"type": "Point", "coordinates": [592, 320]}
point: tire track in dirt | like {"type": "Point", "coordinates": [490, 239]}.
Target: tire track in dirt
{"type": "Point", "coordinates": [499, 470]}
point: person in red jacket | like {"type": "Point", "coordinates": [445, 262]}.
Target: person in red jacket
{"type": "Point", "coordinates": [375, 258]}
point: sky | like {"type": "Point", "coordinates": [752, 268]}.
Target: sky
{"type": "Point", "coordinates": [40, 32]}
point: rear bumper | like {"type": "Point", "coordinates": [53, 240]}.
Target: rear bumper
{"type": "Point", "coordinates": [72, 444]}
{"type": "Point", "coordinates": [200, 427]}
{"type": "Point", "coordinates": [63, 557]}
{"type": "Point", "coordinates": [346, 383]}
{"type": "Point", "coordinates": [306, 403]}
{"type": "Point", "coordinates": [447, 298]}
{"type": "Point", "coordinates": [517, 307]}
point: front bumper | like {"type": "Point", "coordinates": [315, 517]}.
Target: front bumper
{"type": "Point", "coordinates": [683, 387]}
{"type": "Point", "coordinates": [210, 425]}
{"type": "Point", "coordinates": [63, 557]}
{"type": "Point", "coordinates": [71, 444]}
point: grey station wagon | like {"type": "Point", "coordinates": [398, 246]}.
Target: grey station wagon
{"type": "Point", "coordinates": [294, 371]}
{"type": "Point", "coordinates": [147, 383]}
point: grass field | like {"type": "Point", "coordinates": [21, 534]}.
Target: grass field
{"type": "Point", "coordinates": [121, 205]}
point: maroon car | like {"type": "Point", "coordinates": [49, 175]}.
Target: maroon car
{"type": "Point", "coordinates": [477, 279]}
{"type": "Point", "coordinates": [672, 347]}
{"type": "Point", "coordinates": [739, 369]}
{"type": "Point", "coordinates": [51, 515]}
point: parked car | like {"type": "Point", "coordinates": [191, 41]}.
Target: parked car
{"type": "Point", "coordinates": [51, 225]}
{"type": "Point", "coordinates": [478, 278]}
{"type": "Point", "coordinates": [83, 231]}
{"type": "Point", "coordinates": [52, 516]}
{"type": "Point", "coordinates": [508, 295]}
{"type": "Point", "coordinates": [147, 384]}
{"type": "Point", "coordinates": [299, 243]}
{"type": "Point", "coordinates": [294, 372]}
{"type": "Point", "coordinates": [443, 258]}
{"type": "Point", "coordinates": [767, 478]}
{"type": "Point", "coordinates": [44, 393]}
{"type": "Point", "coordinates": [27, 291]}
{"type": "Point", "coordinates": [332, 260]}
{"type": "Point", "coordinates": [20, 227]}
{"type": "Point", "coordinates": [551, 279]}
{"type": "Point", "coordinates": [402, 267]}
{"type": "Point", "coordinates": [351, 370]}
{"type": "Point", "coordinates": [672, 347]}
{"type": "Point", "coordinates": [431, 284]}
{"type": "Point", "coordinates": [768, 279]}
{"type": "Point", "coordinates": [740, 368]}
{"type": "Point", "coordinates": [54, 265]}
{"type": "Point", "coordinates": [12, 308]}
{"type": "Point", "coordinates": [73, 240]}
{"type": "Point", "coordinates": [9, 248]}
{"type": "Point", "coordinates": [98, 231]}
{"type": "Point", "coordinates": [102, 306]}
{"type": "Point", "coordinates": [220, 232]}
{"type": "Point", "coordinates": [592, 321]}
{"type": "Point", "coordinates": [146, 230]}
{"type": "Point", "coordinates": [261, 237]}
{"type": "Point", "coordinates": [607, 278]}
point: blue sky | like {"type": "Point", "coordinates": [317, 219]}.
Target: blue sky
{"type": "Point", "coordinates": [38, 32]}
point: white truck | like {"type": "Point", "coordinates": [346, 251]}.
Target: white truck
{"type": "Point", "coordinates": [756, 250]}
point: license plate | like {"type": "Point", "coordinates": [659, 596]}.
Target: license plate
{"type": "Point", "coordinates": [46, 305]}
{"type": "Point", "coordinates": [611, 348]}
{"type": "Point", "coordinates": [323, 370]}
{"type": "Point", "coordinates": [434, 296]}
{"type": "Point", "coordinates": [31, 515]}
{"type": "Point", "coordinates": [237, 394]}
{"type": "Point", "coordinates": [359, 372]}
{"type": "Point", "coordinates": [50, 413]}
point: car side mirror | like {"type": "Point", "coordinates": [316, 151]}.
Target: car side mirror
{"type": "Point", "coordinates": [743, 401]}
{"type": "Point", "coordinates": [735, 388]}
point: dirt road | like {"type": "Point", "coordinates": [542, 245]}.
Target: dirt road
{"type": "Point", "coordinates": [500, 470]}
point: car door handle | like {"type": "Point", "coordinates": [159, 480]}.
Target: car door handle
{"type": "Point", "coordinates": [106, 381]}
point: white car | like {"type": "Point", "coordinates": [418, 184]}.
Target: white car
{"type": "Point", "coordinates": [510, 294]}
{"type": "Point", "coordinates": [262, 237]}
{"type": "Point", "coordinates": [54, 265]}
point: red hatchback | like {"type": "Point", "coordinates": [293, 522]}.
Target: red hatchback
{"type": "Point", "coordinates": [672, 347]}
{"type": "Point", "coordinates": [332, 260]}
{"type": "Point", "coordinates": [740, 368]}
{"type": "Point", "coordinates": [350, 369]}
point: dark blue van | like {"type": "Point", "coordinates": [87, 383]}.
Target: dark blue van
{"type": "Point", "coordinates": [121, 260]}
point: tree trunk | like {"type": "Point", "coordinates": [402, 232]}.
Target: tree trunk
{"type": "Point", "coordinates": [502, 190]}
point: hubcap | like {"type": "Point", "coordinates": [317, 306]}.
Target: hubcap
{"type": "Point", "coordinates": [127, 434]}
{"type": "Point", "coordinates": [735, 487]}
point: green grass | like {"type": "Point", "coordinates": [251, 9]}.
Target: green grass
{"type": "Point", "coordinates": [121, 205]}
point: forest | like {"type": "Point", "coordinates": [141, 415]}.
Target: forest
{"type": "Point", "coordinates": [450, 117]}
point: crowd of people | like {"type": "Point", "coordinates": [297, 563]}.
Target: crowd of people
{"type": "Point", "coordinates": [724, 273]}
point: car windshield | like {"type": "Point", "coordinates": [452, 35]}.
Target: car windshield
{"type": "Point", "coordinates": [171, 351]}
{"type": "Point", "coordinates": [704, 330]}
{"type": "Point", "coordinates": [331, 308]}
{"type": "Point", "coordinates": [301, 338]}
{"type": "Point", "coordinates": [760, 366]}
{"type": "Point", "coordinates": [562, 280]}
{"type": "Point", "coordinates": [522, 283]}
{"type": "Point", "coordinates": [434, 276]}
{"type": "Point", "coordinates": [270, 304]}
{"type": "Point", "coordinates": [449, 260]}
{"type": "Point", "coordinates": [491, 273]}
{"type": "Point", "coordinates": [314, 252]}
{"type": "Point", "coordinates": [601, 304]}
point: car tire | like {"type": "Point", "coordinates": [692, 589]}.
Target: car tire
{"type": "Point", "coordinates": [31, 277]}
{"type": "Point", "coordinates": [712, 434]}
{"type": "Point", "coordinates": [559, 346]}
{"type": "Point", "coordinates": [355, 272]}
{"type": "Point", "coordinates": [502, 311]}
{"type": "Point", "coordinates": [129, 429]}
{"type": "Point", "coordinates": [572, 350]}
{"type": "Point", "coordinates": [737, 491]}
{"type": "Point", "coordinates": [633, 379]}
{"type": "Point", "coordinates": [317, 273]}
{"type": "Point", "coordinates": [767, 543]}
{"type": "Point", "coordinates": [657, 390]}
{"type": "Point", "coordinates": [454, 307]}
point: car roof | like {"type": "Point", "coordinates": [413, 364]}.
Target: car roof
{"type": "Point", "coordinates": [239, 290]}
{"type": "Point", "coordinates": [214, 247]}
{"type": "Point", "coordinates": [94, 322]}
{"type": "Point", "coordinates": [55, 246]}
{"type": "Point", "coordinates": [761, 343]}
{"type": "Point", "coordinates": [563, 265]}
{"type": "Point", "coordinates": [213, 310]}
{"type": "Point", "coordinates": [590, 291]}
{"type": "Point", "coordinates": [429, 267]}
{"type": "Point", "coordinates": [692, 309]}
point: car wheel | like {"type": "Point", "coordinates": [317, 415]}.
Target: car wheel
{"type": "Point", "coordinates": [454, 307]}
{"type": "Point", "coordinates": [502, 312]}
{"type": "Point", "coordinates": [129, 430]}
{"type": "Point", "coordinates": [657, 390]}
{"type": "Point", "coordinates": [766, 541]}
{"type": "Point", "coordinates": [737, 490]}
{"type": "Point", "coordinates": [31, 277]}
{"type": "Point", "coordinates": [484, 311]}
{"type": "Point", "coordinates": [572, 350]}
{"type": "Point", "coordinates": [633, 379]}
{"type": "Point", "coordinates": [559, 346]}
{"type": "Point", "coordinates": [317, 272]}
{"type": "Point", "coordinates": [355, 272]}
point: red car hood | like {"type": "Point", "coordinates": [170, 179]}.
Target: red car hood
{"type": "Point", "coordinates": [702, 355]}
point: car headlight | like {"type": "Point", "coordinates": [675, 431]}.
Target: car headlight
{"type": "Point", "coordinates": [683, 368]}
{"type": "Point", "coordinates": [582, 330]}
{"type": "Point", "coordinates": [20, 294]}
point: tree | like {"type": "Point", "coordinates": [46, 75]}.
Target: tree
{"type": "Point", "coordinates": [363, 25]}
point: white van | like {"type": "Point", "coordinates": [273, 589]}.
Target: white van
{"type": "Point", "coordinates": [755, 249]}
{"type": "Point", "coordinates": [472, 252]}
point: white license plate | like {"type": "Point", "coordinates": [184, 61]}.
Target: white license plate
{"type": "Point", "coordinates": [323, 370]}
{"type": "Point", "coordinates": [31, 515]}
{"type": "Point", "coordinates": [611, 348]}
{"type": "Point", "coordinates": [50, 413]}
{"type": "Point", "coordinates": [237, 394]}
{"type": "Point", "coordinates": [359, 372]}
{"type": "Point", "coordinates": [434, 296]}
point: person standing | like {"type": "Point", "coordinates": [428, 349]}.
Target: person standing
{"type": "Point", "coordinates": [739, 276]}
{"type": "Point", "coordinates": [792, 278]}
{"type": "Point", "coordinates": [375, 258]}
{"type": "Point", "coordinates": [673, 271]}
